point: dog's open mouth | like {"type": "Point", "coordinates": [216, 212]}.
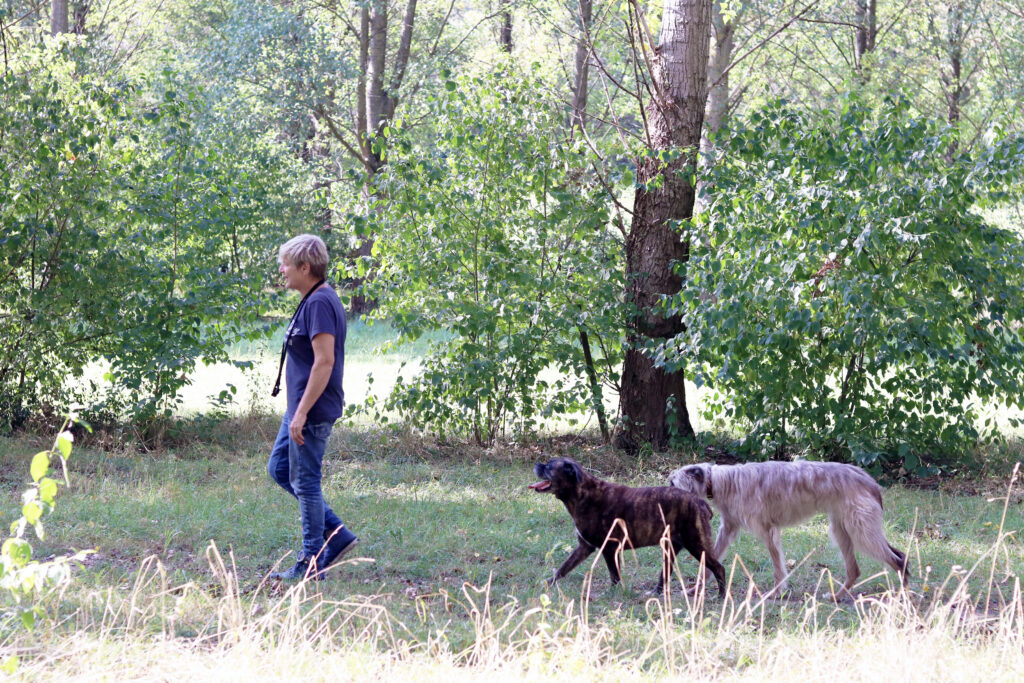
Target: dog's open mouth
{"type": "Point", "coordinates": [541, 486]}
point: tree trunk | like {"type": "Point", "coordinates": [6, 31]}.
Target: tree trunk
{"type": "Point", "coordinates": [378, 107]}
{"type": "Point", "coordinates": [596, 397]}
{"type": "Point", "coordinates": [58, 16]}
{"type": "Point", "coordinates": [653, 401]}
{"type": "Point", "coordinates": [375, 96]}
{"type": "Point", "coordinates": [505, 33]}
{"type": "Point", "coordinates": [79, 13]}
{"type": "Point", "coordinates": [864, 35]}
{"type": "Point", "coordinates": [401, 60]}
{"type": "Point", "coordinates": [364, 67]}
{"type": "Point", "coordinates": [716, 113]}
{"type": "Point", "coordinates": [581, 87]}
{"type": "Point", "coordinates": [953, 85]}
{"type": "Point", "coordinates": [723, 43]}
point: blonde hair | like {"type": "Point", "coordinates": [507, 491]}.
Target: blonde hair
{"type": "Point", "coordinates": [308, 249]}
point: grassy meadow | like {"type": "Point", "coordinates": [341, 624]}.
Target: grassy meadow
{"type": "Point", "coordinates": [448, 580]}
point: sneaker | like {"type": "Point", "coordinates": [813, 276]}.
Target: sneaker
{"type": "Point", "coordinates": [301, 570]}
{"type": "Point", "coordinates": [339, 541]}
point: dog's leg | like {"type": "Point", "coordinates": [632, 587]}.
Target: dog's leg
{"type": "Point", "coordinates": [582, 551]}
{"type": "Point", "coordinates": [719, 572]}
{"type": "Point", "coordinates": [712, 566]}
{"type": "Point", "coordinates": [666, 570]}
{"type": "Point", "coordinates": [772, 539]}
{"type": "Point", "coordinates": [726, 535]}
{"type": "Point", "coordinates": [611, 553]}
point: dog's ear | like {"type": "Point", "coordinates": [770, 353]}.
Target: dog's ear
{"type": "Point", "coordinates": [696, 473]}
{"type": "Point", "coordinates": [573, 471]}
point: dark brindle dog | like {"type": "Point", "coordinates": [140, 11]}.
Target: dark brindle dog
{"type": "Point", "coordinates": [595, 505]}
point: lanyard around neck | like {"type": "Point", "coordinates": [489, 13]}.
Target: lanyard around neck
{"type": "Point", "coordinates": [288, 337]}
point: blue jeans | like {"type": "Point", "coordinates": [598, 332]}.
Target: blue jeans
{"type": "Point", "coordinates": [297, 469]}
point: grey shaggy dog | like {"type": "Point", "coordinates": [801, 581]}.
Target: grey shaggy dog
{"type": "Point", "coordinates": [762, 497]}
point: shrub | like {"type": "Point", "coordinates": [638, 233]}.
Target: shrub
{"type": "Point", "coordinates": [128, 236]}
{"type": "Point", "coordinates": [495, 232]}
{"type": "Point", "coordinates": [845, 293]}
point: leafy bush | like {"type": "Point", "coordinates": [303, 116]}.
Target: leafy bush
{"type": "Point", "coordinates": [129, 235]}
{"type": "Point", "coordinates": [845, 293]}
{"type": "Point", "coordinates": [495, 232]}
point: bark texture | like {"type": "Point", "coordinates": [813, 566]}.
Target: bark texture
{"type": "Point", "coordinates": [58, 16]}
{"type": "Point", "coordinates": [581, 89]}
{"type": "Point", "coordinates": [375, 96]}
{"type": "Point", "coordinates": [505, 32]}
{"type": "Point", "coordinates": [378, 97]}
{"type": "Point", "coordinates": [80, 12]}
{"type": "Point", "coordinates": [723, 44]}
{"type": "Point", "coordinates": [653, 401]}
{"type": "Point", "coordinates": [953, 86]}
{"type": "Point", "coordinates": [864, 35]}
{"type": "Point", "coordinates": [580, 92]}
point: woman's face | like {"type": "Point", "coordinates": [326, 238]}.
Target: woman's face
{"type": "Point", "coordinates": [294, 276]}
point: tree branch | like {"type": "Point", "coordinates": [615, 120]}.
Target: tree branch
{"type": "Point", "coordinates": [339, 135]}
{"type": "Point", "coordinates": [774, 33]}
{"type": "Point", "coordinates": [401, 60]}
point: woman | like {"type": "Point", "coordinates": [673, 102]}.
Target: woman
{"type": "Point", "coordinates": [315, 348]}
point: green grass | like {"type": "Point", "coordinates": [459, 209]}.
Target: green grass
{"type": "Point", "coordinates": [448, 579]}
{"type": "Point", "coordinates": [453, 546]}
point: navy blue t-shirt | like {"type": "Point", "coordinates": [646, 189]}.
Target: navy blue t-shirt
{"type": "Point", "coordinates": [322, 313]}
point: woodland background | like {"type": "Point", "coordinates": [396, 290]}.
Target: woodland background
{"type": "Point", "coordinates": [636, 234]}
{"type": "Point", "coordinates": [810, 210]}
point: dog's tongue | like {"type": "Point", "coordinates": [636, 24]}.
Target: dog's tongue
{"type": "Point", "coordinates": [541, 486]}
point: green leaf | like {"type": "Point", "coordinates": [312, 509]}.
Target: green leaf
{"type": "Point", "coordinates": [18, 550]}
{"type": "Point", "coordinates": [911, 463]}
{"type": "Point", "coordinates": [47, 490]}
{"type": "Point", "coordinates": [805, 300]}
{"type": "Point", "coordinates": [9, 665]}
{"type": "Point", "coordinates": [64, 443]}
{"type": "Point", "coordinates": [31, 512]}
{"type": "Point", "coordinates": [40, 465]}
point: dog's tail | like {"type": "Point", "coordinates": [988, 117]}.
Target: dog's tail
{"type": "Point", "coordinates": [901, 562]}
{"type": "Point", "coordinates": [862, 530]}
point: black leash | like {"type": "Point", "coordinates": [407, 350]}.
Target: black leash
{"type": "Point", "coordinates": [288, 337]}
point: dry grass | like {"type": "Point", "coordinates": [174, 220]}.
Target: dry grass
{"type": "Point", "coordinates": [156, 630]}
{"type": "Point", "coordinates": [300, 634]}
